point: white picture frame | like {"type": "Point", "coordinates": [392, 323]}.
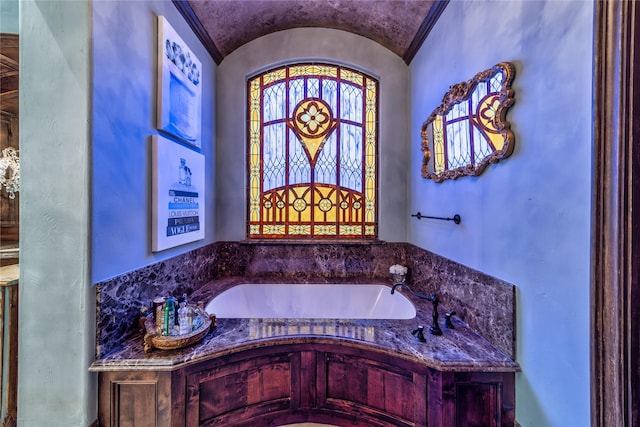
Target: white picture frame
{"type": "Point", "coordinates": [179, 91]}
{"type": "Point", "coordinates": [178, 194]}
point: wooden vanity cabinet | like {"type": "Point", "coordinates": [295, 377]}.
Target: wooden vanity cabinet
{"type": "Point", "coordinates": [140, 398]}
{"type": "Point", "coordinates": [306, 382]}
{"type": "Point", "coordinates": [237, 392]}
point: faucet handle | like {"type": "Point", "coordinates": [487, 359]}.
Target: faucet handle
{"type": "Point", "coordinates": [419, 333]}
{"type": "Point", "coordinates": [447, 319]}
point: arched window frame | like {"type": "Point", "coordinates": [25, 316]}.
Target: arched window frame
{"type": "Point", "coordinates": [304, 179]}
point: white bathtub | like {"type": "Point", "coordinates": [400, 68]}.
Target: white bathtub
{"type": "Point", "coordinates": [311, 301]}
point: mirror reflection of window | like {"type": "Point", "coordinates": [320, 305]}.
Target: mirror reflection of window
{"type": "Point", "coordinates": [468, 130]}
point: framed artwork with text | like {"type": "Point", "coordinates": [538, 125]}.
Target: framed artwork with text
{"type": "Point", "coordinates": [178, 196]}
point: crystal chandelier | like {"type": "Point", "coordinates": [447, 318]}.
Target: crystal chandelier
{"type": "Point", "coordinates": [11, 162]}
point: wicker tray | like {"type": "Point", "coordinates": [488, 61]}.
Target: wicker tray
{"type": "Point", "coordinates": [153, 340]}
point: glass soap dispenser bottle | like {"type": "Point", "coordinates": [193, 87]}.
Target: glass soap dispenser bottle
{"type": "Point", "coordinates": [184, 321]}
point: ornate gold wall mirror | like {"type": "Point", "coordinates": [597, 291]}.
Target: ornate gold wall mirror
{"type": "Point", "coordinates": [468, 130]}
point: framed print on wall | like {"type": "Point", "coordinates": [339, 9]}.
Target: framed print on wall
{"type": "Point", "coordinates": [179, 86]}
{"type": "Point", "coordinates": [177, 194]}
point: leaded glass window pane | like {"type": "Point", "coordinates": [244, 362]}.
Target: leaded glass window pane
{"type": "Point", "coordinates": [299, 167]}
{"type": "Point", "coordinates": [326, 165]}
{"type": "Point", "coordinates": [312, 153]}
{"type": "Point", "coordinates": [274, 102]}
{"type": "Point", "coordinates": [351, 159]}
{"type": "Point", "coordinates": [274, 156]}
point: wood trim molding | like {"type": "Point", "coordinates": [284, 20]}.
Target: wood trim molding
{"type": "Point", "coordinates": [189, 15]}
{"type": "Point", "coordinates": [633, 232]}
{"type": "Point", "coordinates": [425, 28]}
{"type": "Point", "coordinates": [615, 262]}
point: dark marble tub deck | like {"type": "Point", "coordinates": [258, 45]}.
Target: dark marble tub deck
{"type": "Point", "coordinates": [483, 338]}
{"type": "Point", "coordinates": [458, 349]}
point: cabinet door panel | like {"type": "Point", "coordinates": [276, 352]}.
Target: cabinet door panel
{"type": "Point", "coordinates": [478, 405]}
{"type": "Point", "coordinates": [135, 404]}
{"type": "Point", "coordinates": [484, 399]}
{"type": "Point", "coordinates": [379, 390]}
{"type": "Point", "coordinates": [135, 399]}
{"type": "Point", "coordinates": [239, 391]}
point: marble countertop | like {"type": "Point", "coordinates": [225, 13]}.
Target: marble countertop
{"type": "Point", "coordinates": [458, 349]}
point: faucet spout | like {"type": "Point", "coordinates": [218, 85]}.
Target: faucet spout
{"type": "Point", "coordinates": [393, 288]}
{"type": "Point", "coordinates": [431, 298]}
{"type": "Point", "coordinates": [435, 328]}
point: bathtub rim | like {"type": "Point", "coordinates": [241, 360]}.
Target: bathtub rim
{"type": "Point", "coordinates": [404, 299]}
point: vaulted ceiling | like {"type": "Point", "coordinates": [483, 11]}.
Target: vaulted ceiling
{"type": "Point", "coordinates": [224, 25]}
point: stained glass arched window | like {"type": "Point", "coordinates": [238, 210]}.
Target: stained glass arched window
{"type": "Point", "coordinates": [312, 153]}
